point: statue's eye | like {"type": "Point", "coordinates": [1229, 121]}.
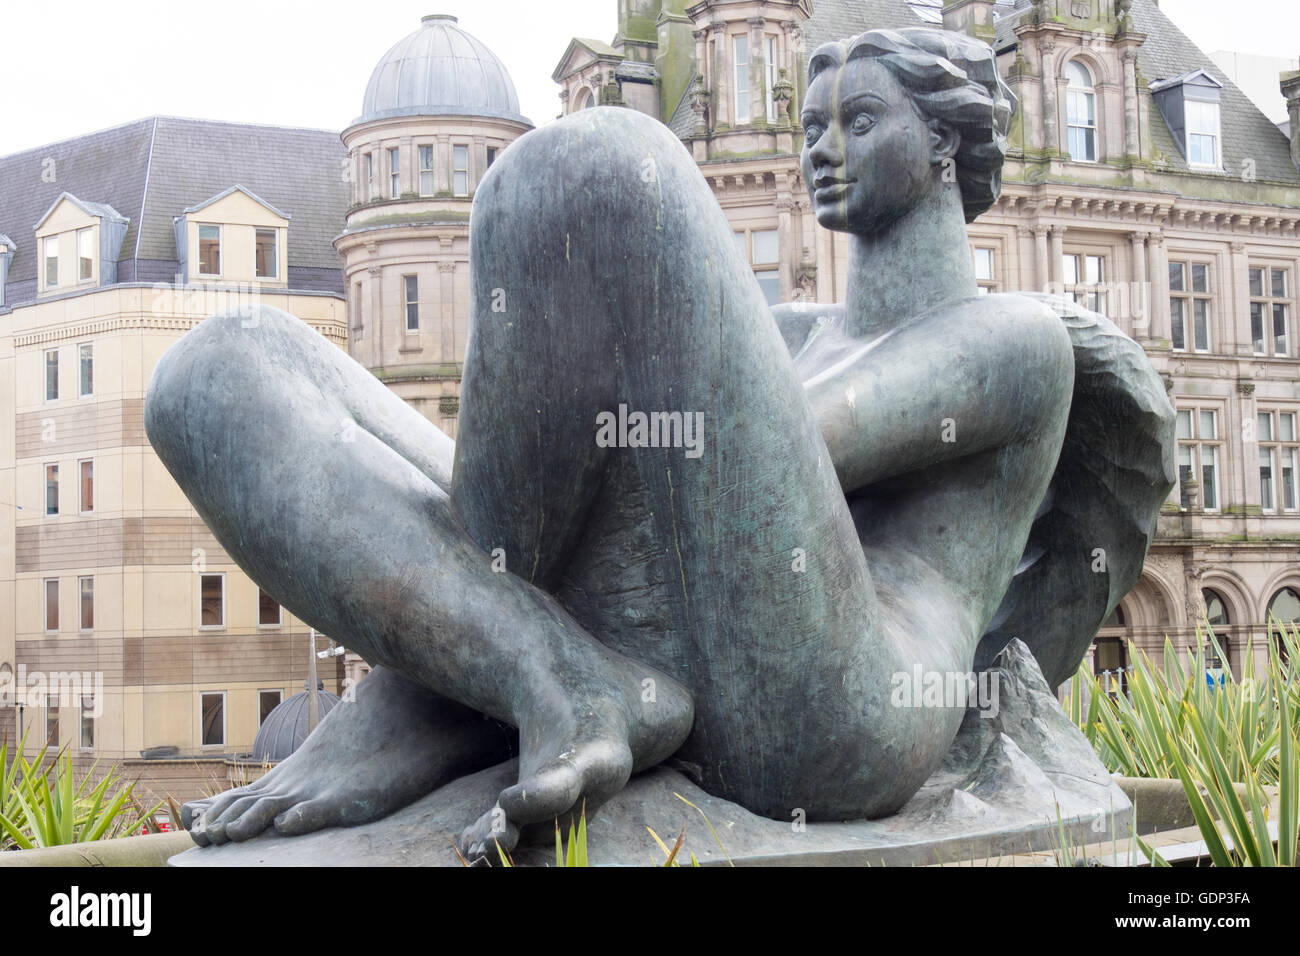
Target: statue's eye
{"type": "Point", "coordinates": [861, 123]}
{"type": "Point", "coordinates": [811, 133]}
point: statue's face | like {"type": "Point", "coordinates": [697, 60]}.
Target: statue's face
{"type": "Point", "coordinates": [868, 152]}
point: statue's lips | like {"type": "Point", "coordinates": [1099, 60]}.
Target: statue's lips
{"type": "Point", "coordinates": [831, 190]}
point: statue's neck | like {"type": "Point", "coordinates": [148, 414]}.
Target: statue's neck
{"type": "Point", "coordinates": [917, 262]}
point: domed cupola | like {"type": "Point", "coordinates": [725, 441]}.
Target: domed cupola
{"type": "Point", "coordinates": [440, 70]}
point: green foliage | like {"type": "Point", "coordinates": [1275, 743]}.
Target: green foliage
{"type": "Point", "coordinates": [1214, 740]}
{"type": "Point", "coordinates": [41, 804]}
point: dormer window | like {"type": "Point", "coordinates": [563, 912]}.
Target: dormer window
{"type": "Point", "coordinates": [51, 262]}
{"type": "Point", "coordinates": [1081, 113]}
{"type": "Point", "coordinates": [209, 250]}
{"type": "Point", "coordinates": [1189, 104]}
{"type": "Point", "coordinates": [1202, 133]}
{"type": "Point", "coordinates": [266, 253]}
{"type": "Point", "coordinates": [85, 254]}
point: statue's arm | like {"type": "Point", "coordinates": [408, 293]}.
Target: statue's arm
{"type": "Point", "coordinates": [798, 320]}
{"type": "Point", "coordinates": [942, 389]}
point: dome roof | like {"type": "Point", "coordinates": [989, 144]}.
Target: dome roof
{"type": "Point", "coordinates": [285, 727]}
{"type": "Point", "coordinates": [440, 70]}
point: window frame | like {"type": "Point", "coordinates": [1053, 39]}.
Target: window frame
{"type": "Point", "coordinates": [88, 262]}
{"type": "Point", "coordinates": [394, 172]}
{"type": "Point", "coordinates": [82, 487]}
{"type": "Point", "coordinates": [279, 612]}
{"type": "Point", "coordinates": [85, 717]}
{"type": "Point", "coordinates": [279, 693]}
{"type": "Point", "coordinates": [221, 577]}
{"type": "Point", "coordinates": [1215, 137]}
{"type": "Point", "coordinates": [743, 116]}
{"type": "Point", "coordinates": [46, 243]}
{"type": "Point", "coordinates": [224, 728]}
{"type": "Point", "coordinates": [258, 232]}
{"type": "Point", "coordinates": [46, 582]}
{"type": "Point", "coordinates": [768, 269]}
{"type": "Point", "coordinates": [770, 52]}
{"type": "Point", "coordinates": [57, 510]}
{"type": "Point", "coordinates": [1275, 445]}
{"type": "Point", "coordinates": [458, 149]}
{"type": "Point", "coordinates": [85, 364]}
{"type": "Point", "coordinates": [1269, 303]}
{"type": "Point", "coordinates": [1188, 297]}
{"type": "Point", "coordinates": [48, 369]}
{"type": "Point", "coordinates": [409, 304]}
{"type": "Point", "coordinates": [1086, 95]}
{"type": "Point", "coordinates": [82, 593]}
{"type": "Point", "coordinates": [1089, 295]}
{"type": "Point", "coordinates": [429, 150]}
{"type": "Point", "coordinates": [1197, 444]}
{"type": "Point", "coordinates": [220, 252]}
{"type": "Point", "coordinates": [987, 285]}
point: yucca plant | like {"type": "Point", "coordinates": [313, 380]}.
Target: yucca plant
{"type": "Point", "coordinates": [1214, 739]}
{"type": "Point", "coordinates": [42, 805]}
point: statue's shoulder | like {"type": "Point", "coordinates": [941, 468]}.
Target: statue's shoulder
{"type": "Point", "coordinates": [800, 321]}
{"type": "Point", "coordinates": [1011, 319]}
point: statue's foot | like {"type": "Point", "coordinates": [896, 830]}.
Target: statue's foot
{"type": "Point", "coordinates": [395, 743]}
{"type": "Point", "coordinates": [580, 758]}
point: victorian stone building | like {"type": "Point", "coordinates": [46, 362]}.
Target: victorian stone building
{"type": "Point", "coordinates": [1139, 180]}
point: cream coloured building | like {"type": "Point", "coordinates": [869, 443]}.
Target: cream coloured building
{"type": "Point", "coordinates": [112, 591]}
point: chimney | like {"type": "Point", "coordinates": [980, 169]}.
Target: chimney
{"type": "Point", "coordinates": [972, 17]}
{"type": "Point", "coordinates": [1290, 83]}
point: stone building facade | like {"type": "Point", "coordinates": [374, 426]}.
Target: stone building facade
{"type": "Point", "coordinates": [1139, 181]}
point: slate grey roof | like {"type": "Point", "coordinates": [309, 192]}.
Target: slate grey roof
{"type": "Point", "coordinates": [682, 122]}
{"type": "Point", "coordinates": [153, 169]}
{"type": "Point", "coordinates": [1167, 52]}
{"type": "Point", "coordinates": [97, 209]}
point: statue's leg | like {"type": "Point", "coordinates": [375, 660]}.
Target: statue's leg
{"type": "Point", "coordinates": [606, 284]}
{"type": "Point", "coordinates": [293, 455]}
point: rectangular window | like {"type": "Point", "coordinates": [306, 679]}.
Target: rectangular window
{"type": "Point", "coordinates": [371, 190]}
{"type": "Point", "coordinates": [86, 368]}
{"type": "Point", "coordinates": [1202, 133]}
{"type": "Point", "coordinates": [268, 610]}
{"type": "Point", "coordinates": [356, 308]}
{"type": "Point", "coordinates": [51, 489]}
{"type": "Point", "coordinates": [412, 285]}
{"type": "Point", "coordinates": [51, 262]}
{"type": "Point", "coordinates": [51, 604]}
{"type": "Point", "coordinates": [85, 255]}
{"type": "Point", "coordinates": [1189, 301]}
{"type": "Point", "coordinates": [460, 170]}
{"type": "Point", "coordinates": [1199, 448]}
{"type": "Point", "coordinates": [1084, 276]}
{"type": "Point", "coordinates": [1269, 310]}
{"type": "Point", "coordinates": [394, 173]}
{"type": "Point", "coordinates": [52, 736]}
{"type": "Point", "coordinates": [1278, 452]}
{"type": "Point", "coordinates": [267, 701]}
{"type": "Point", "coordinates": [491, 156]}
{"type": "Point", "coordinates": [87, 486]}
{"type": "Point", "coordinates": [742, 80]}
{"type": "Point", "coordinates": [984, 270]}
{"type": "Point", "coordinates": [763, 252]}
{"type": "Point", "coordinates": [87, 722]}
{"type": "Point", "coordinates": [1081, 118]}
{"type": "Point", "coordinates": [86, 594]}
{"type": "Point", "coordinates": [52, 375]}
{"type": "Point", "coordinates": [771, 79]}
{"type": "Point", "coordinates": [212, 600]}
{"type": "Point", "coordinates": [267, 254]}
{"type": "Point", "coordinates": [209, 250]}
{"type": "Point", "coordinates": [212, 723]}
{"type": "Point", "coordinates": [426, 171]}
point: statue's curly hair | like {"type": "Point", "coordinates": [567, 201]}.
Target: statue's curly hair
{"type": "Point", "coordinates": [953, 78]}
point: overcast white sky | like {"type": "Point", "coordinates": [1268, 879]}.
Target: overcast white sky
{"type": "Point", "coordinates": [306, 64]}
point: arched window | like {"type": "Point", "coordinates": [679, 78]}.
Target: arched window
{"type": "Point", "coordinates": [1110, 655]}
{"type": "Point", "coordinates": [1285, 606]}
{"type": "Point", "coordinates": [586, 100]}
{"type": "Point", "coordinates": [1080, 113]}
{"type": "Point", "coordinates": [1115, 618]}
{"type": "Point", "coordinates": [1216, 612]}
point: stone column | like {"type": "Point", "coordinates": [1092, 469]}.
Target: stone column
{"type": "Point", "coordinates": [787, 249]}
{"type": "Point", "coordinates": [376, 318]}
{"type": "Point", "coordinates": [1234, 302]}
{"type": "Point", "coordinates": [446, 307]}
{"type": "Point", "coordinates": [1158, 270]}
{"type": "Point", "coordinates": [1139, 289]}
{"type": "Point", "coordinates": [1131, 147]}
{"type": "Point", "coordinates": [1054, 257]}
{"type": "Point", "coordinates": [1042, 275]}
{"type": "Point", "coordinates": [722, 105]}
{"type": "Point", "coordinates": [757, 77]}
{"type": "Point", "coordinates": [1047, 45]}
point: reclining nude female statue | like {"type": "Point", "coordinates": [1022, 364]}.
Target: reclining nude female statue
{"type": "Point", "coordinates": [909, 478]}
